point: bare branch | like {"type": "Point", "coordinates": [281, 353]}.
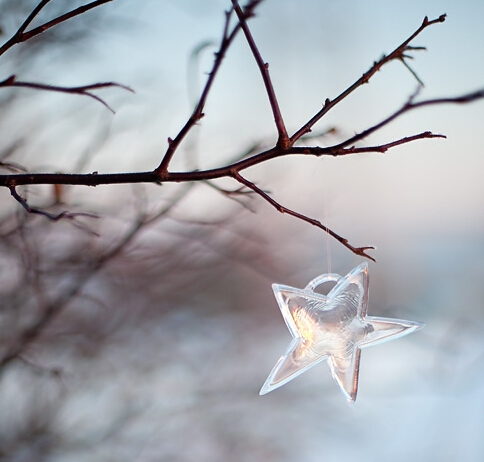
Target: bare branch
{"type": "Point", "coordinates": [385, 147]}
{"type": "Point", "coordinates": [54, 307]}
{"type": "Point", "coordinates": [283, 140]}
{"type": "Point", "coordinates": [85, 90]}
{"type": "Point", "coordinates": [342, 151]}
{"type": "Point", "coordinates": [51, 216]}
{"type": "Point", "coordinates": [22, 36]}
{"type": "Point", "coordinates": [398, 53]}
{"type": "Point", "coordinates": [361, 251]}
{"type": "Point", "coordinates": [31, 17]}
{"type": "Point", "coordinates": [417, 78]}
{"type": "Point", "coordinates": [319, 134]}
{"type": "Point", "coordinates": [285, 146]}
{"type": "Point", "coordinates": [227, 39]}
{"type": "Point", "coordinates": [236, 195]}
{"type": "Point", "coordinates": [13, 167]}
{"type": "Point", "coordinates": [94, 179]}
{"type": "Point", "coordinates": [410, 106]}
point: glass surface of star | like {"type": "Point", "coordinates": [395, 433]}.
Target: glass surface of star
{"type": "Point", "coordinates": [332, 327]}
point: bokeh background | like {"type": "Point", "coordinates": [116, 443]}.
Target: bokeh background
{"type": "Point", "coordinates": [165, 325]}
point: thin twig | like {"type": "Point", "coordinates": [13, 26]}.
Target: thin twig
{"type": "Point", "coordinates": [285, 146]}
{"type": "Point", "coordinates": [31, 17]}
{"type": "Point", "coordinates": [54, 307]}
{"type": "Point", "coordinates": [361, 251]}
{"type": "Point", "coordinates": [417, 78]}
{"type": "Point", "coordinates": [65, 215]}
{"type": "Point", "coordinates": [320, 134]}
{"type": "Point", "coordinates": [84, 90]}
{"type": "Point", "coordinates": [95, 179]}
{"type": "Point", "coordinates": [197, 115]}
{"type": "Point", "coordinates": [381, 148]}
{"type": "Point", "coordinates": [283, 139]}
{"type": "Point", "coordinates": [236, 195]}
{"type": "Point", "coordinates": [13, 167]}
{"type": "Point", "coordinates": [22, 36]}
{"type": "Point", "coordinates": [398, 53]}
{"type": "Point", "coordinates": [407, 107]}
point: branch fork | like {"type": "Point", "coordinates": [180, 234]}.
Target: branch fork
{"type": "Point", "coordinates": [285, 145]}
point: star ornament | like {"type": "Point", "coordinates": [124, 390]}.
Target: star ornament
{"type": "Point", "coordinates": [331, 327]}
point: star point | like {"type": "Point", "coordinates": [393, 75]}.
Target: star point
{"type": "Point", "coordinates": [333, 327]}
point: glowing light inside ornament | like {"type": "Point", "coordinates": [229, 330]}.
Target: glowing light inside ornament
{"type": "Point", "coordinates": [333, 327]}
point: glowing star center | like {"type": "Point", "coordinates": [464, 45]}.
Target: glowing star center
{"type": "Point", "coordinates": [333, 327]}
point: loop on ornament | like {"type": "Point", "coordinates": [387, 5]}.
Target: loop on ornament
{"type": "Point", "coordinates": [330, 277]}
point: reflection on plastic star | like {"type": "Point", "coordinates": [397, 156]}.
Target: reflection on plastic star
{"type": "Point", "coordinates": [333, 327]}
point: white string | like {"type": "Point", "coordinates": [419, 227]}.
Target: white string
{"type": "Point", "coordinates": [326, 221]}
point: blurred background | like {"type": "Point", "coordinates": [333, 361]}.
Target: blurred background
{"type": "Point", "coordinates": [146, 333]}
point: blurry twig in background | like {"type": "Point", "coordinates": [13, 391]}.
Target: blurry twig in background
{"type": "Point", "coordinates": [84, 90]}
{"type": "Point", "coordinates": [64, 294]}
{"type": "Point", "coordinates": [51, 308]}
{"type": "Point", "coordinates": [285, 145]}
{"type": "Point", "coordinates": [22, 35]}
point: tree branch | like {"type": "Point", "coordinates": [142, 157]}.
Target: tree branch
{"type": "Point", "coordinates": [398, 53]}
{"type": "Point", "coordinates": [227, 39]}
{"type": "Point", "coordinates": [85, 90]}
{"type": "Point", "coordinates": [54, 307]}
{"type": "Point", "coordinates": [283, 140]}
{"type": "Point", "coordinates": [51, 216]}
{"type": "Point", "coordinates": [95, 179]}
{"type": "Point", "coordinates": [361, 251]}
{"type": "Point", "coordinates": [22, 36]}
{"type": "Point", "coordinates": [285, 146]}
{"type": "Point", "coordinates": [410, 106]}
{"type": "Point", "coordinates": [381, 148]}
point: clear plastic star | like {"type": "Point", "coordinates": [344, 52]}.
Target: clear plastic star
{"type": "Point", "coordinates": [333, 327]}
